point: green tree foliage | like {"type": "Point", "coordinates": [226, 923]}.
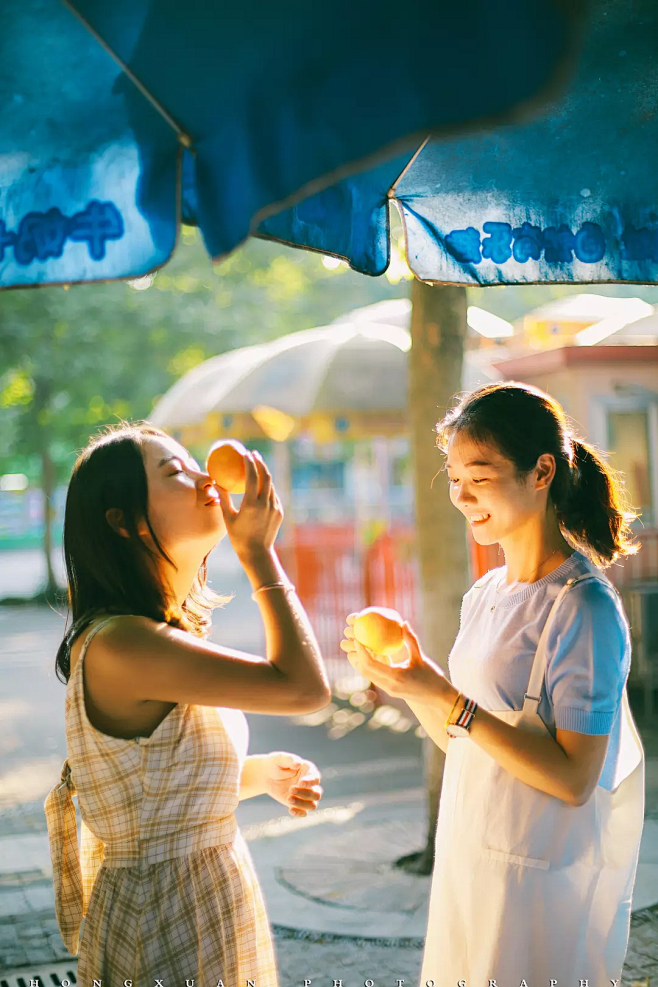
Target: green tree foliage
{"type": "Point", "coordinates": [74, 360]}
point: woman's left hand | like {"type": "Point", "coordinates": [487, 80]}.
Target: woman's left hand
{"type": "Point", "coordinates": [418, 679]}
{"type": "Point", "coordinates": [292, 781]}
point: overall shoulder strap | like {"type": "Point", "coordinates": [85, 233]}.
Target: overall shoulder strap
{"type": "Point", "coordinates": [533, 695]}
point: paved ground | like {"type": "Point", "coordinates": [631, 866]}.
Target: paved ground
{"type": "Point", "coordinates": [340, 910]}
{"type": "Point", "coordinates": [378, 945]}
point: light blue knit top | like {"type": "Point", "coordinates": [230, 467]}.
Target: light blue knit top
{"type": "Point", "coordinates": [589, 651]}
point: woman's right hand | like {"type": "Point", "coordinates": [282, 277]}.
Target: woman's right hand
{"type": "Point", "coordinates": [253, 528]}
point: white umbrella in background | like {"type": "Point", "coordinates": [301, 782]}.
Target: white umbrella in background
{"type": "Point", "coordinates": [340, 379]}
{"type": "Point", "coordinates": [397, 312]}
{"type": "Point", "coordinates": [392, 312]}
{"type": "Point", "coordinates": [332, 369]}
{"type": "Point", "coordinates": [358, 363]}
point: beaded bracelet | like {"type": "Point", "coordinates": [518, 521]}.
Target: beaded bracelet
{"type": "Point", "coordinates": [288, 587]}
{"type": "Point", "coordinates": [459, 696]}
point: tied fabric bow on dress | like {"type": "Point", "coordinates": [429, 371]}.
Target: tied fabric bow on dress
{"type": "Point", "coordinates": [74, 870]}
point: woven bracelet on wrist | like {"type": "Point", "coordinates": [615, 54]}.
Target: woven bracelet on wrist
{"type": "Point", "coordinates": [287, 587]}
{"type": "Point", "coordinates": [467, 713]}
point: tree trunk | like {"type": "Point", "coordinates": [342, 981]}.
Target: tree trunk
{"type": "Point", "coordinates": [438, 331]}
{"type": "Point", "coordinates": [48, 489]}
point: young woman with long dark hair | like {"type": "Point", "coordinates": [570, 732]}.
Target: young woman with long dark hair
{"type": "Point", "coordinates": [155, 727]}
{"type": "Point", "coordinates": [542, 801]}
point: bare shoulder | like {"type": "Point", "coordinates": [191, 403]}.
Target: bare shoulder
{"type": "Point", "coordinates": [127, 645]}
{"type": "Point", "coordinates": [133, 629]}
{"type": "Point", "coordinates": [110, 703]}
{"type": "Point", "coordinates": [110, 648]}
{"type": "Point", "coordinates": [108, 639]}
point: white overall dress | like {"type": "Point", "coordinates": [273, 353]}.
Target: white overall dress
{"type": "Point", "coordinates": [525, 886]}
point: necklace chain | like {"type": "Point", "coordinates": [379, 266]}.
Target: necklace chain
{"type": "Point", "coordinates": [498, 590]}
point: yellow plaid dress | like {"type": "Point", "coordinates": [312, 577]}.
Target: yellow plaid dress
{"type": "Point", "coordinates": [163, 876]}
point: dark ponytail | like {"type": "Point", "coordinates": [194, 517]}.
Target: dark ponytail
{"type": "Point", "coordinates": [592, 509]}
{"type": "Point", "coordinates": [523, 422]}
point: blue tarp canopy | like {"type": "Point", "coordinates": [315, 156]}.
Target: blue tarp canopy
{"type": "Point", "coordinates": [120, 117]}
{"type": "Point", "coordinates": [567, 196]}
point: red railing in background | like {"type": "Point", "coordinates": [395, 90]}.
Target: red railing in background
{"type": "Point", "coordinates": [391, 577]}
{"type": "Point", "coordinates": [326, 566]}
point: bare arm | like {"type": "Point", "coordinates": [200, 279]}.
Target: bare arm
{"type": "Point", "coordinates": [252, 779]}
{"type": "Point", "coordinates": [432, 723]}
{"type": "Point", "coordinates": [578, 757]}
{"type": "Point", "coordinates": [568, 767]}
{"type": "Point", "coordinates": [573, 759]}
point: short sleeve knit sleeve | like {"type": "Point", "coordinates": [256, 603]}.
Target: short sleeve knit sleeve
{"type": "Point", "coordinates": [588, 658]}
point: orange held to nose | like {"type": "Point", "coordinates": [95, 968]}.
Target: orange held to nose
{"type": "Point", "coordinates": [379, 629]}
{"type": "Point", "coordinates": [225, 464]}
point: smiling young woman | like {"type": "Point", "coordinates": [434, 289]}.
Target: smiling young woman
{"type": "Point", "coordinates": [155, 728]}
{"type": "Point", "coordinates": [542, 799]}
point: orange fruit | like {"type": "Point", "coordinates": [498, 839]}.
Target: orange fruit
{"type": "Point", "coordinates": [225, 464]}
{"type": "Point", "coordinates": [380, 629]}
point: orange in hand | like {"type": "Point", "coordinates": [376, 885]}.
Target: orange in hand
{"type": "Point", "coordinates": [225, 464]}
{"type": "Point", "coordinates": [380, 630]}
